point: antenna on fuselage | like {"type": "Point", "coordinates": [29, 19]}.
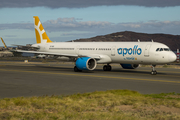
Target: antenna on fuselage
{"type": "Point", "coordinates": [139, 40]}
{"type": "Point", "coordinates": [152, 40]}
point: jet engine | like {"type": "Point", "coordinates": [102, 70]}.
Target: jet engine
{"type": "Point", "coordinates": [86, 63]}
{"type": "Point", "coordinates": [130, 66]}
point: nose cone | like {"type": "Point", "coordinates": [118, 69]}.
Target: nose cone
{"type": "Point", "coordinates": [172, 57]}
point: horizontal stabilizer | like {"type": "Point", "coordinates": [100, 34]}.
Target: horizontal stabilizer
{"type": "Point", "coordinates": [26, 47]}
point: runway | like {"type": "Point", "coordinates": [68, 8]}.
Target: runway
{"type": "Point", "coordinates": [55, 78]}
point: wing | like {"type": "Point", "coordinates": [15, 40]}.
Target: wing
{"type": "Point", "coordinates": [48, 53]}
{"type": "Point", "coordinates": [100, 58]}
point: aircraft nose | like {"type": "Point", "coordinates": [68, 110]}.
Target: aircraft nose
{"type": "Point", "coordinates": [172, 57]}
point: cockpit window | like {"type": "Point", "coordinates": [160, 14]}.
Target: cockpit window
{"type": "Point", "coordinates": [163, 49]}
{"type": "Point", "coordinates": [166, 49]}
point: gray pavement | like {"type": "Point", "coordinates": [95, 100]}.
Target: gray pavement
{"type": "Point", "coordinates": [37, 79]}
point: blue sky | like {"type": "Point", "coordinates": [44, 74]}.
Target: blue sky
{"type": "Point", "coordinates": [64, 21]}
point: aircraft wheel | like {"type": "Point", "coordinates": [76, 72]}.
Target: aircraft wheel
{"type": "Point", "coordinates": [105, 68]}
{"type": "Point", "coordinates": [109, 68]}
{"type": "Point", "coordinates": [76, 69]}
{"type": "Point", "coordinates": [153, 72]}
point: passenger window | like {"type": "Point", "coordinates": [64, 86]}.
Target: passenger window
{"type": "Point", "coordinates": [161, 49]}
{"type": "Point", "coordinates": [157, 49]}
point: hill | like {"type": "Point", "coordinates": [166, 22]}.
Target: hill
{"type": "Point", "coordinates": [173, 41]}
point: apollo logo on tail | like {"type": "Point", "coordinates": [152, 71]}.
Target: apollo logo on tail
{"type": "Point", "coordinates": [41, 36]}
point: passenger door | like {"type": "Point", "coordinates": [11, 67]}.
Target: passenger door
{"type": "Point", "coordinates": [113, 49]}
{"type": "Point", "coordinates": [146, 51]}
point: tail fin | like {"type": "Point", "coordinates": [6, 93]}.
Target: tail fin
{"type": "Point", "coordinates": [41, 36]}
{"type": "Point", "coordinates": [3, 42]}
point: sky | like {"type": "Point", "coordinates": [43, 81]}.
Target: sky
{"type": "Point", "coordinates": [66, 20]}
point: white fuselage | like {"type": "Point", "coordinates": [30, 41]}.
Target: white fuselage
{"type": "Point", "coordinates": [114, 52]}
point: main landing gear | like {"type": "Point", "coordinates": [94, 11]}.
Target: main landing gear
{"type": "Point", "coordinates": [107, 67]}
{"type": "Point", "coordinates": [153, 72]}
{"type": "Point", "coordinates": [76, 69]}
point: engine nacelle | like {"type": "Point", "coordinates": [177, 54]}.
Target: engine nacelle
{"type": "Point", "coordinates": [130, 66]}
{"type": "Point", "coordinates": [86, 63]}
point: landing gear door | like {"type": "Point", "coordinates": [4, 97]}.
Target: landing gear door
{"type": "Point", "coordinates": [113, 49]}
{"type": "Point", "coordinates": [146, 51]}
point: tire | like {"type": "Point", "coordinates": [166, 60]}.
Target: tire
{"type": "Point", "coordinates": [76, 69]}
{"type": "Point", "coordinates": [105, 67]}
{"type": "Point", "coordinates": [109, 68]}
{"type": "Point", "coordinates": [153, 72]}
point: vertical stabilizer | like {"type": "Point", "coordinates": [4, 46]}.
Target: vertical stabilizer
{"type": "Point", "coordinates": [41, 36]}
{"type": "Point", "coordinates": [3, 42]}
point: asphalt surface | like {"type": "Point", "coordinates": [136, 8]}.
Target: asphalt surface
{"type": "Point", "coordinates": [38, 79]}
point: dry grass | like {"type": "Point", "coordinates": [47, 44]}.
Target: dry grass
{"type": "Point", "coordinates": [113, 104]}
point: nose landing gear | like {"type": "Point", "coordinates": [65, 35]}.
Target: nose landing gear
{"type": "Point", "coordinates": [153, 72]}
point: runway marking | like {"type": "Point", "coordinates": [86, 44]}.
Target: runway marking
{"type": "Point", "coordinates": [93, 76]}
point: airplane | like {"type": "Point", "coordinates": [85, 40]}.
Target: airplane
{"type": "Point", "coordinates": [87, 55]}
